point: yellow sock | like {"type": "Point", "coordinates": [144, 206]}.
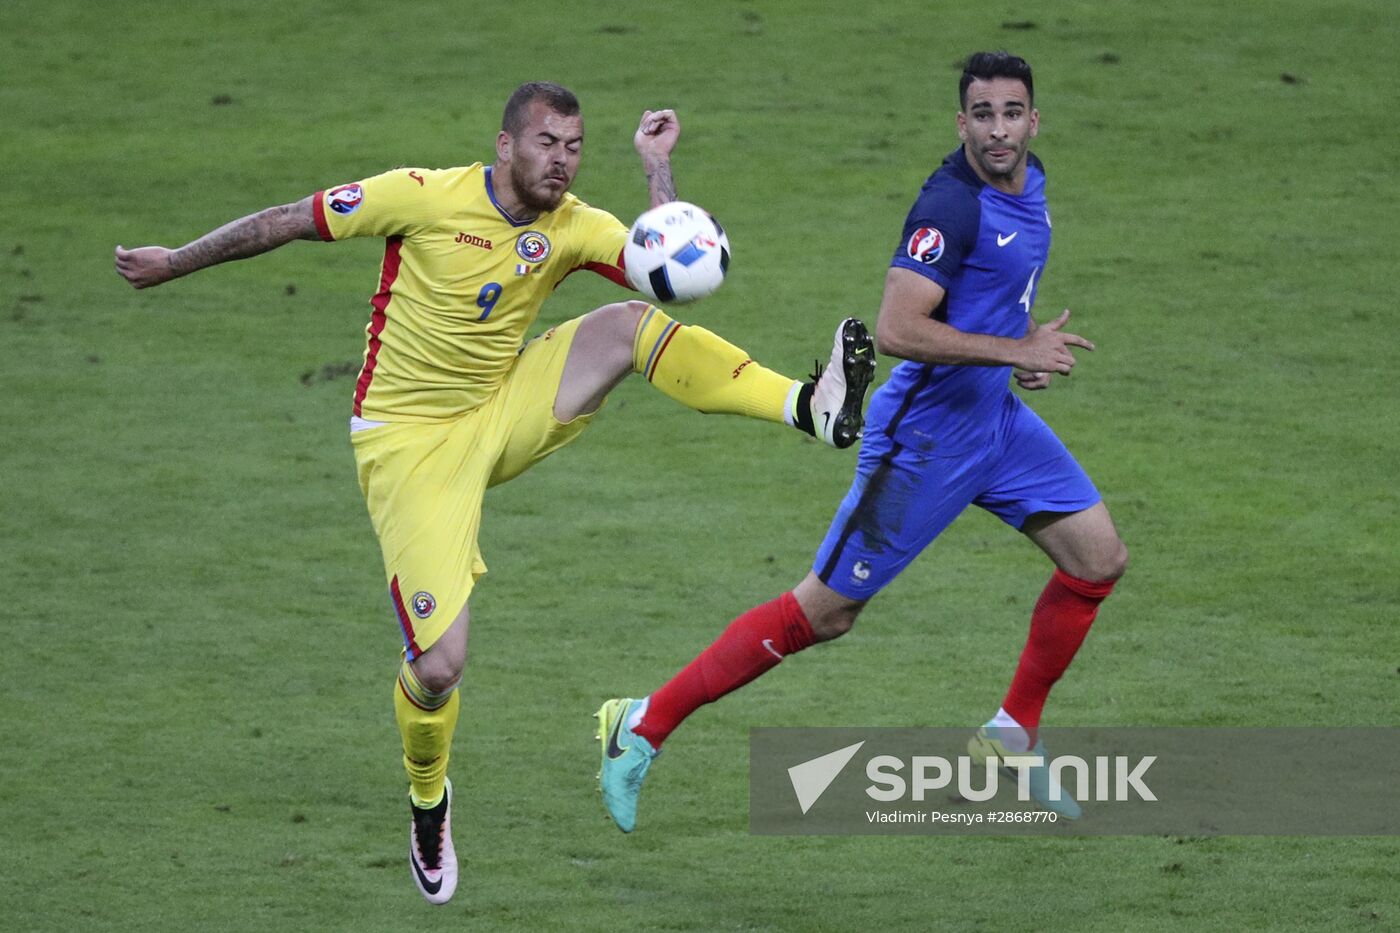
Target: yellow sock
{"type": "Point", "coordinates": [707, 373]}
{"type": "Point", "coordinates": [426, 722]}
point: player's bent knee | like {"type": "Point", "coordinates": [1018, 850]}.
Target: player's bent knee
{"type": "Point", "coordinates": [620, 319]}
{"type": "Point", "coordinates": [1118, 565]}
{"type": "Point", "coordinates": [439, 678]}
{"type": "Point", "coordinates": [834, 622]}
{"type": "Point", "coordinates": [1112, 565]}
{"type": "Point", "coordinates": [439, 669]}
{"type": "Point", "coordinates": [606, 333]}
{"type": "Point", "coordinates": [829, 613]}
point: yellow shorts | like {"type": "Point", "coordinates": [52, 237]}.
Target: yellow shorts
{"type": "Point", "coordinates": [424, 484]}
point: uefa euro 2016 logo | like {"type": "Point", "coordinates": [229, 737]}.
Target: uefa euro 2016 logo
{"type": "Point", "coordinates": [647, 238]}
{"type": "Point", "coordinates": [532, 246]}
{"type": "Point", "coordinates": [926, 245]}
{"type": "Point", "coordinates": [345, 199]}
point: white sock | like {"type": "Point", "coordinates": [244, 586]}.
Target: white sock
{"type": "Point", "coordinates": [635, 720]}
{"type": "Point", "coordinates": [1012, 735]}
{"type": "Point", "coordinates": [790, 406]}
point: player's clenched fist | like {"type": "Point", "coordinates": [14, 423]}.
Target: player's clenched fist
{"type": "Point", "coordinates": [145, 266]}
{"type": "Point", "coordinates": [657, 133]}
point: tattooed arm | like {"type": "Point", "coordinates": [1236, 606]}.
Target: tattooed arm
{"type": "Point", "coordinates": [655, 138]}
{"type": "Point", "coordinates": [248, 236]}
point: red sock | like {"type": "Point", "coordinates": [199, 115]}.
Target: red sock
{"type": "Point", "coordinates": [1061, 619]}
{"type": "Point", "coordinates": [752, 644]}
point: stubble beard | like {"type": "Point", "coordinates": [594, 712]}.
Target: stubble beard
{"type": "Point", "coordinates": [984, 160]}
{"type": "Point", "coordinates": [527, 195]}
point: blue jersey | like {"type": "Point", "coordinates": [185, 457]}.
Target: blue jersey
{"type": "Point", "coordinates": [987, 249]}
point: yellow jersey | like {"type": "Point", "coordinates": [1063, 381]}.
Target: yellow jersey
{"type": "Point", "coordinates": [461, 282]}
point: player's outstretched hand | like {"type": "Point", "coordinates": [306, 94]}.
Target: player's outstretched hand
{"type": "Point", "coordinates": [144, 266]}
{"type": "Point", "coordinates": [1046, 349]}
{"type": "Point", "coordinates": [657, 133]}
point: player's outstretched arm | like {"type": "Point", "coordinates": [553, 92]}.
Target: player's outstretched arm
{"type": "Point", "coordinates": [907, 330]}
{"type": "Point", "coordinates": [655, 138]}
{"type": "Point", "coordinates": [248, 236]}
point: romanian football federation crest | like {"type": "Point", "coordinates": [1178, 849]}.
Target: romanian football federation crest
{"type": "Point", "coordinates": [532, 246]}
{"type": "Point", "coordinates": [926, 245]}
{"type": "Point", "coordinates": [423, 604]}
{"type": "Point", "coordinates": [345, 199]}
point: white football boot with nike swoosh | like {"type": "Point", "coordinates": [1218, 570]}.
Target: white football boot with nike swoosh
{"type": "Point", "coordinates": [431, 857]}
{"type": "Point", "coordinates": [838, 397]}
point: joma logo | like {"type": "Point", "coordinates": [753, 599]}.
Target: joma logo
{"type": "Point", "coordinates": [473, 240]}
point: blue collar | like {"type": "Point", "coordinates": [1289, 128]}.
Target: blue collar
{"type": "Point", "coordinates": [491, 193]}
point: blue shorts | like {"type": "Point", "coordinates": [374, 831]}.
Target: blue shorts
{"type": "Point", "coordinates": [902, 499]}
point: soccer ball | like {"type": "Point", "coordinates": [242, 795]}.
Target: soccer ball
{"type": "Point", "coordinates": [676, 253]}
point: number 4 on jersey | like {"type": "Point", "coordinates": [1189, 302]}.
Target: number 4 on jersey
{"type": "Point", "coordinates": [1028, 295]}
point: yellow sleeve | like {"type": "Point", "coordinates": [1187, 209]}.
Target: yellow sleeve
{"type": "Point", "coordinates": [396, 203]}
{"type": "Point", "coordinates": [601, 237]}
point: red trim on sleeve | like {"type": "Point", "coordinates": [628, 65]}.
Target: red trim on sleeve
{"type": "Point", "coordinates": [615, 273]}
{"type": "Point", "coordinates": [318, 211]}
{"type": "Point", "coordinates": [611, 273]}
{"type": "Point", "coordinates": [387, 275]}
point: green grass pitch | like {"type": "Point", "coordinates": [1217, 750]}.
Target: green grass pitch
{"type": "Point", "coordinates": [197, 650]}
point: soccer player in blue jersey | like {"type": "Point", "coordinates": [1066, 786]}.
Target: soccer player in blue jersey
{"type": "Point", "coordinates": [944, 432]}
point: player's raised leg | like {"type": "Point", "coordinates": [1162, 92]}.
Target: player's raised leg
{"type": "Point", "coordinates": [703, 371]}
{"type": "Point", "coordinates": [631, 731]}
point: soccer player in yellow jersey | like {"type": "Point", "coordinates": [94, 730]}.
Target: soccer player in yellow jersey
{"type": "Point", "coordinates": [449, 402]}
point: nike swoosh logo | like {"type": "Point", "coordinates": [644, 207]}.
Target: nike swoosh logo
{"type": "Point", "coordinates": [1002, 241]}
{"type": "Point", "coordinates": [614, 750]}
{"type": "Point", "coordinates": [768, 643]}
{"type": "Point", "coordinates": [432, 887]}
